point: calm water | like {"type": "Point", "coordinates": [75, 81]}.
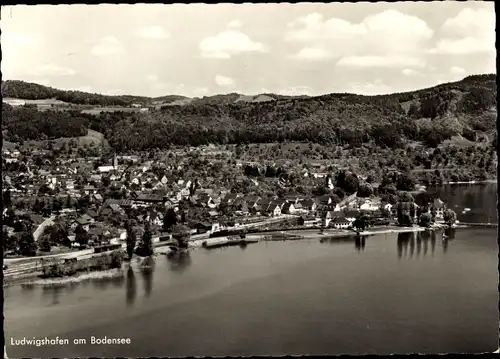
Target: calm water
{"type": "Point", "coordinates": [391, 294]}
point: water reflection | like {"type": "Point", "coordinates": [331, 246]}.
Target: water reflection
{"type": "Point", "coordinates": [147, 269]}
{"type": "Point", "coordinates": [433, 242]}
{"type": "Point", "coordinates": [131, 291]}
{"type": "Point", "coordinates": [28, 287]}
{"type": "Point", "coordinates": [103, 283]}
{"type": "Point", "coordinates": [53, 293]}
{"type": "Point", "coordinates": [359, 243]}
{"type": "Point", "coordinates": [405, 240]}
{"type": "Point", "coordinates": [410, 245]}
{"type": "Point", "coordinates": [179, 261]}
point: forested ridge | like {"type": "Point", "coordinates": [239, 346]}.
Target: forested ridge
{"type": "Point", "coordinates": [465, 108]}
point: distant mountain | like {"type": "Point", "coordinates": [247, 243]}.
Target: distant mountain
{"type": "Point", "coordinates": [31, 91]}
{"type": "Point", "coordinates": [464, 109]}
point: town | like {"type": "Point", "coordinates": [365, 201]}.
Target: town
{"type": "Point", "coordinates": [57, 204]}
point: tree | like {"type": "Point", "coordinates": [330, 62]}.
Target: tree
{"type": "Point", "coordinates": [361, 222]}
{"type": "Point", "coordinates": [68, 203]}
{"type": "Point", "coordinates": [449, 217]}
{"type": "Point", "coordinates": [44, 243]}
{"type": "Point", "coordinates": [7, 200]}
{"type": "Point", "coordinates": [181, 234]}
{"type": "Point", "coordinates": [405, 182]}
{"type": "Point", "coordinates": [425, 219]}
{"type": "Point", "coordinates": [169, 219]}
{"type": "Point", "coordinates": [146, 247]}
{"type": "Point", "coordinates": [27, 245]}
{"type": "Point", "coordinates": [404, 219]}
{"type": "Point", "coordinates": [405, 197]}
{"type": "Point", "coordinates": [365, 191]}
{"type": "Point", "coordinates": [131, 239]}
{"type": "Point", "coordinates": [81, 236]}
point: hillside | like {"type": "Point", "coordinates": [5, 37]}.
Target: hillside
{"type": "Point", "coordinates": [460, 110]}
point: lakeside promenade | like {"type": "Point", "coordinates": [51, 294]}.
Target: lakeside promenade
{"type": "Point", "coordinates": [21, 268]}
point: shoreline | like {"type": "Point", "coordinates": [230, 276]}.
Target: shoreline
{"type": "Point", "coordinates": [279, 235]}
{"type": "Point", "coordinates": [472, 182]}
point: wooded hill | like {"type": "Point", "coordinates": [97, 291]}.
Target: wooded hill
{"type": "Point", "coordinates": [465, 108]}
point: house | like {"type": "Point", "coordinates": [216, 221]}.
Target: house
{"type": "Point", "coordinates": [351, 215]}
{"type": "Point", "coordinates": [309, 205]}
{"type": "Point", "coordinates": [213, 214]}
{"type": "Point", "coordinates": [274, 209]}
{"type": "Point", "coordinates": [89, 190]}
{"type": "Point", "coordinates": [155, 218]}
{"type": "Point", "coordinates": [230, 197]}
{"type": "Point", "coordinates": [307, 220]}
{"type": "Point", "coordinates": [292, 198]}
{"type": "Point", "coordinates": [96, 234]}
{"type": "Point", "coordinates": [84, 221]}
{"type": "Point", "coordinates": [203, 227]}
{"type": "Point", "coordinates": [150, 199]}
{"type": "Point", "coordinates": [263, 205]}
{"type": "Point", "coordinates": [92, 214]}
{"type": "Point", "coordinates": [288, 208]}
{"type": "Point", "coordinates": [326, 217]}
{"type": "Point", "coordinates": [97, 197]}
{"type": "Point", "coordinates": [438, 207]}
{"type": "Point", "coordinates": [340, 222]}
{"type": "Point", "coordinates": [252, 201]}
{"type": "Point", "coordinates": [206, 200]}
{"type": "Point", "coordinates": [240, 205]}
{"type": "Point", "coordinates": [369, 205]}
{"type": "Point", "coordinates": [105, 169]}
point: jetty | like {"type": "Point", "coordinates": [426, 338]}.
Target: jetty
{"type": "Point", "coordinates": [472, 224]}
{"type": "Point", "coordinates": [226, 242]}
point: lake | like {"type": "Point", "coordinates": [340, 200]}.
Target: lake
{"type": "Point", "coordinates": [406, 293]}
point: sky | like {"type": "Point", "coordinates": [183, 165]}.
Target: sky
{"type": "Point", "coordinates": [199, 50]}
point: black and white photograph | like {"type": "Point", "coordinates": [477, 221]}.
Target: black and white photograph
{"type": "Point", "coordinates": [255, 179]}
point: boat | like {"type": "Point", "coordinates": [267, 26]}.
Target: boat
{"type": "Point", "coordinates": [466, 209]}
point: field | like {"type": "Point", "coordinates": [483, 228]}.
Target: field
{"type": "Point", "coordinates": [98, 110]}
{"type": "Point", "coordinates": [19, 102]}
{"type": "Point", "coordinates": [92, 136]}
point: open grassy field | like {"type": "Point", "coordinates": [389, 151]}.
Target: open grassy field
{"type": "Point", "coordinates": [92, 136]}
{"type": "Point", "coordinates": [19, 102]}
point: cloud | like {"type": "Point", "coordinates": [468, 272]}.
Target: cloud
{"type": "Point", "coordinates": [229, 43]}
{"type": "Point", "coordinates": [106, 46]}
{"type": "Point", "coordinates": [153, 32]}
{"type": "Point", "coordinates": [389, 61]}
{"type": "Point", "coordinates": [471, 31]}
{"type": "Point", "coordinates": [387, 33]}
{"type": "Point", "coordinates": [224, 81]}
{"type": "Point", "coordinates": [369, 88]}
{"type": "Point", "coordinates": [53, 70]}
{"type": "Point", "coordinates": [313, 53]}
{"type": "Point", "coordinates": [234, 24]}
{"type": "Point", "coordinates": [410, 72]}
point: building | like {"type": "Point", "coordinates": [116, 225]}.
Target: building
{"type": "Point", "coordinates": [340, 222]}
{"type": "Point", "coordinates": [288, 208]}
{"type": "Point", "coordinates": [438, 207]}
